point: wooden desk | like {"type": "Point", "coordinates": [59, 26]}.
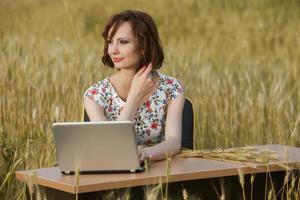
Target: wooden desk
{"type": "Point", "coordinates": [181, 169]}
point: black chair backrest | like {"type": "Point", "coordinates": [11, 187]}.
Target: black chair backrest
{"type": "Point", "coordinates": [86, 116]}
{"type": "Point", "coordinates": [187, 138]}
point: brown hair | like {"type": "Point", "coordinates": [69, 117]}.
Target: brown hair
{"type": "Point", "coordinates": [144, 30]}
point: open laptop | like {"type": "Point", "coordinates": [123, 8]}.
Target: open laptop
{"type": "Point", "coordinates": [96, 147]}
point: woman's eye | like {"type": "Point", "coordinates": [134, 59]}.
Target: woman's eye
{"type": "Point", "coordinates": [123, 42]}
{"type": "Point", "coordinates": [109, 41]}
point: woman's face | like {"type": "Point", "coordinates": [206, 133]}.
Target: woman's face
{"type": "Point", "coordinates": [123, 49]}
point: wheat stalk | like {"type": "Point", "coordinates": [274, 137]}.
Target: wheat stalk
{"type": "Point", "coordinates": [240, 155]}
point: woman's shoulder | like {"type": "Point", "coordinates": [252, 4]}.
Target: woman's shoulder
{"type": "Point", "coordinates": [171, 86]}
{"type": "Point", "coordinates": [100, 83]}
{"type": "Point", "coordinates": [167, 80]}
{"type": "Point", "coordinates": [98, 87]}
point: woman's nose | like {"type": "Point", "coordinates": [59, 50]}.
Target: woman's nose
{"type": "Point", "coordinates": [114, 49]}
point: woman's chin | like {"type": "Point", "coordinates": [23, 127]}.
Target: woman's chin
{"type": "Point", "coordinates": [119, 67]}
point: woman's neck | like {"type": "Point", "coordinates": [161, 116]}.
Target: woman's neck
{"type": "Point", "coordinates": [124, 78]}
{"type": "Point", "coordinates": [121, 81]}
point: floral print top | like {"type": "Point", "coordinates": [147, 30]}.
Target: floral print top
{"type": "Point", "coordinates": [150, 118]}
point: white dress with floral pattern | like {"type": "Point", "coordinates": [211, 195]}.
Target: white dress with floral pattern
{"type": "Point", "coordinates": [150, 119]}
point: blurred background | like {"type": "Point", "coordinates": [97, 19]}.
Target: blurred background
{"type": "Point", "coordinates": [239, 61]}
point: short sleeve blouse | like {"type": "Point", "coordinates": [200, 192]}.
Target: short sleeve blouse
{"type": "Point", "coordinates": [150, 118]}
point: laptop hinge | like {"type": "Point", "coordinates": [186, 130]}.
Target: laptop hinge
{"type": "Point", "coordinates": [67, 172]}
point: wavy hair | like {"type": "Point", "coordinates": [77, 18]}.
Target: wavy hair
{"type": "Point", "coordinates": [145, 32]}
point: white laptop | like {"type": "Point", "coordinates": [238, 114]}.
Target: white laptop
{"type": "Point", "coordinates": [96, 147]}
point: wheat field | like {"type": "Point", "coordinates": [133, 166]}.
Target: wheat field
{"type": "Point", "coordinates": [239, 61]}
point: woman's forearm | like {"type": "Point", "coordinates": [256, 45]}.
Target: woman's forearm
{"type": "Point", "coordinates": [129, 110]}
{"type": "Point", "coordinates": [167, 148]}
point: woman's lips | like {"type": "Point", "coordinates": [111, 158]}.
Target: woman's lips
{"type": "Point", "coordinates": [117, 59]}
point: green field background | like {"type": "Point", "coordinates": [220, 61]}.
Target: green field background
{"type": "Point", "coordinates": [238, 60]}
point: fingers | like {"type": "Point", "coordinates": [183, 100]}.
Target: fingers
{"type": "Point", "coordinates": [142, 156]}
{"type": "Point", "coordinates": [141, 70]}
{"type": "Point", "coordinates": [148, 70]}
{"type": "Point", "coordinates": [143, 83]}
{"type": "Point", "coordinates": [148, 91]}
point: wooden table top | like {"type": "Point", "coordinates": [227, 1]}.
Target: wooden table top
{"type": "Point", "coordinates": [181, 169]}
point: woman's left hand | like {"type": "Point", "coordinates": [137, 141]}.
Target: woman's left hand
{"type": "Point", "coordinates": [145, 155]}
{"type": "Point", "coordinates": [142, 155]}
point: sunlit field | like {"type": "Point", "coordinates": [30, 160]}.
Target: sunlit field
{"type": "Point", "coordinates": [239, 62]}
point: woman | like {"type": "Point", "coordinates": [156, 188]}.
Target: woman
{"type": "Point", "coordinates": [137, 91]}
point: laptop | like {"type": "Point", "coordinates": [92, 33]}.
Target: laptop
{"type": "Point", "coordinates": [96, 147]}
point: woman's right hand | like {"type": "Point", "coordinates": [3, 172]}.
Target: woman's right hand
{"type": "Point", "coordinates": [142, 85]}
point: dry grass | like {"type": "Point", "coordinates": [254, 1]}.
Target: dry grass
{"type": "Point", "coordinates": [242, 154]}
{"type": "Point", "coordinates": [239, 61]}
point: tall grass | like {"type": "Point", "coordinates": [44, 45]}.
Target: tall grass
{"type": "Point", "coordinates": [239, 62]}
